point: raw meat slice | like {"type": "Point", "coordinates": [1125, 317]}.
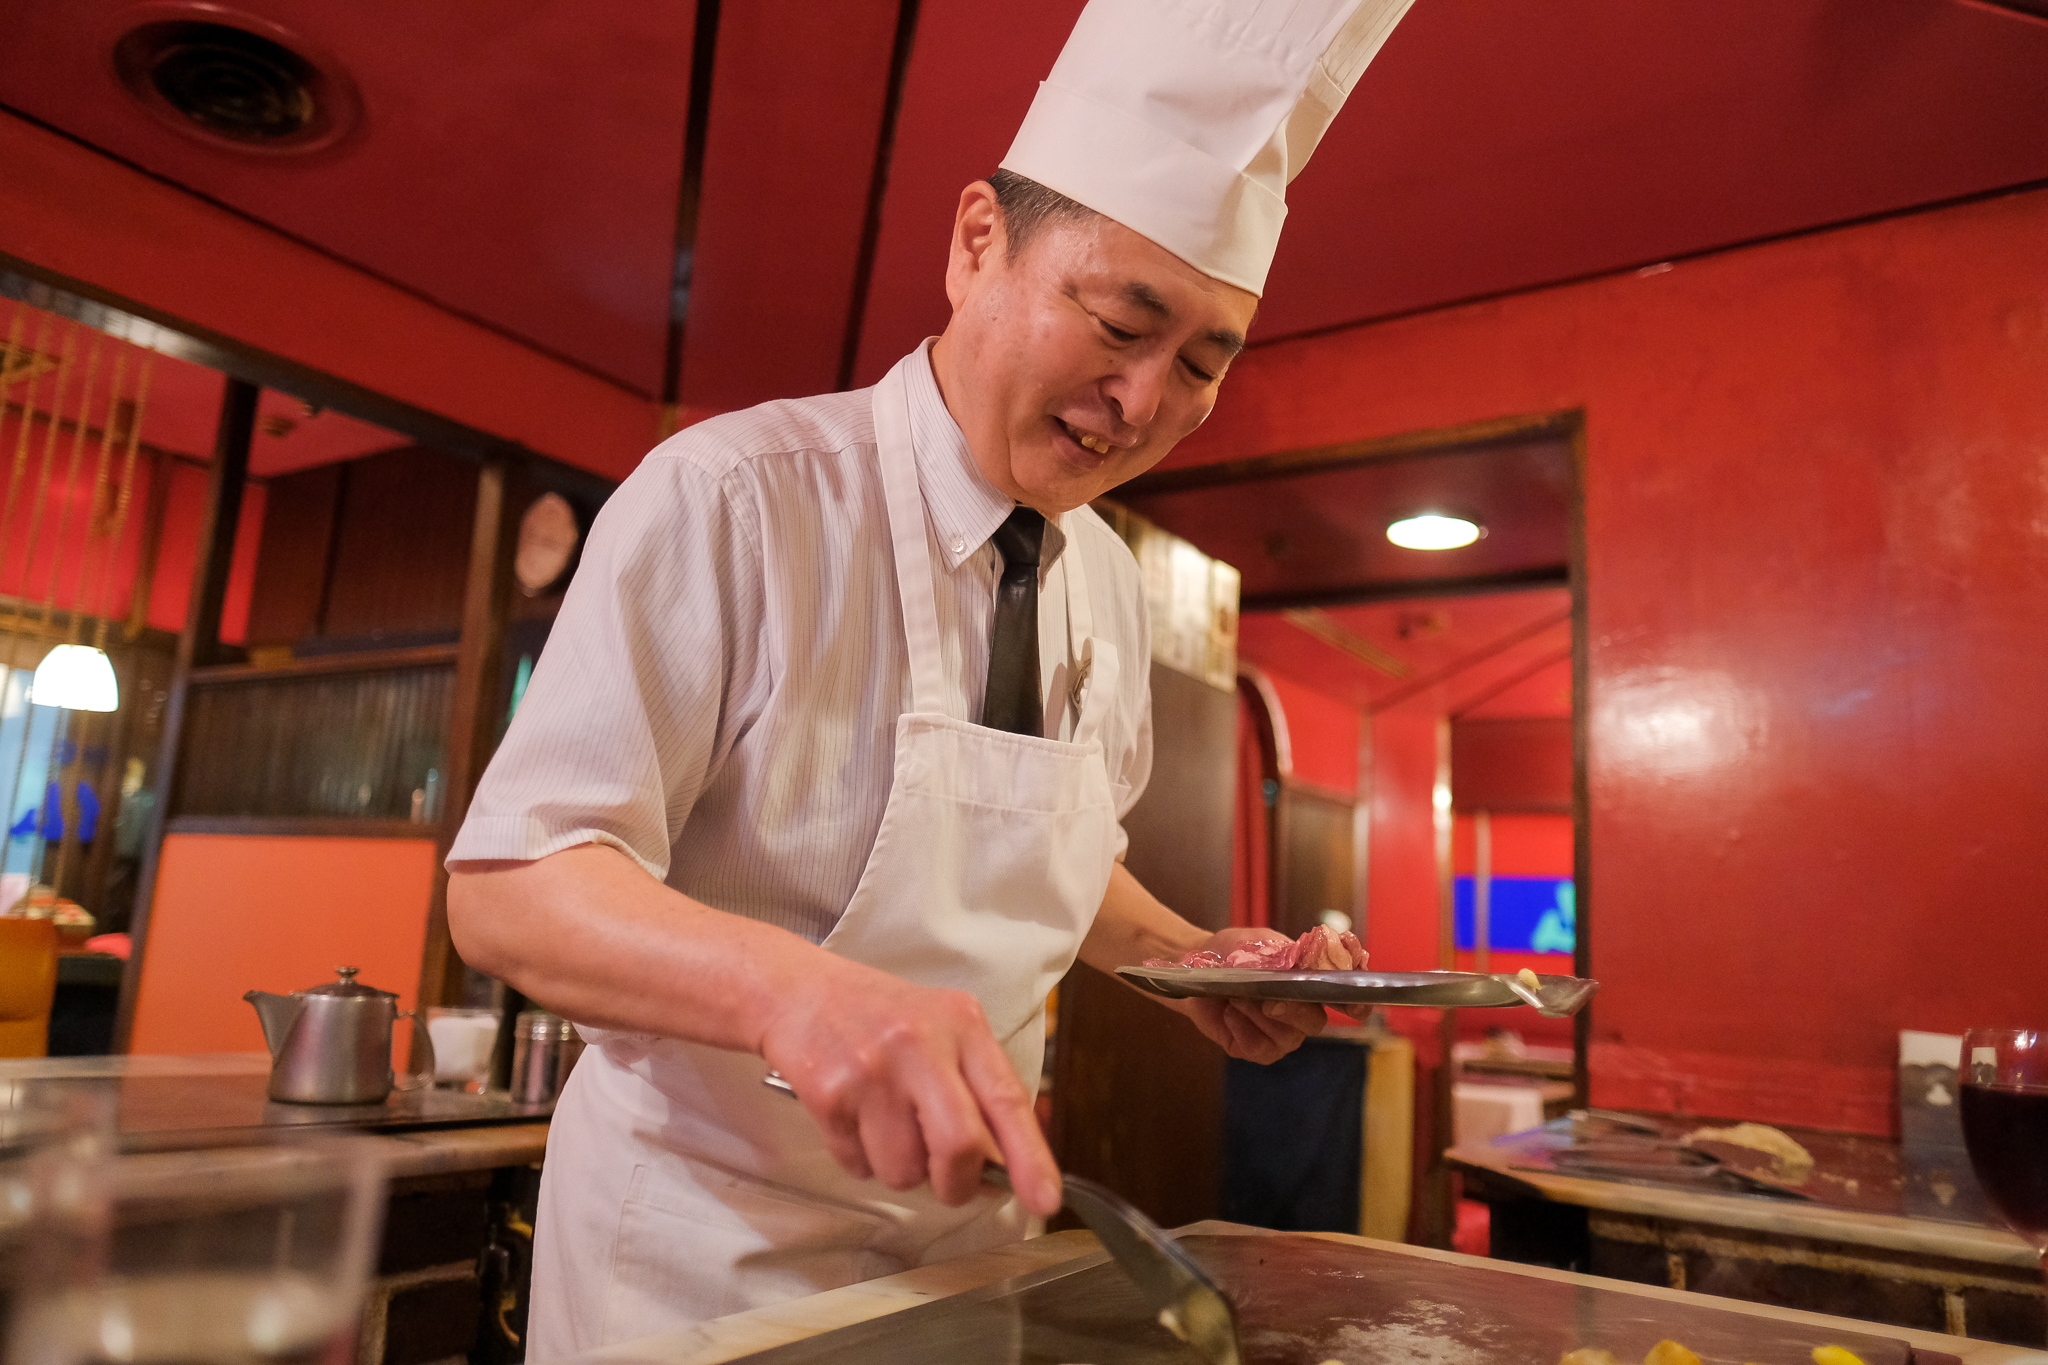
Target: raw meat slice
{"type": "Point", "coordinates": [1321, 949]}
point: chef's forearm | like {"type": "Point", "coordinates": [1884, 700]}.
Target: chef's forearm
{"type": "Point", "coordinates": [1134, 925]}
{"type": "Point", "coordinates": [589, 934]}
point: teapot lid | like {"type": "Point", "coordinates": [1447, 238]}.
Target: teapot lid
{"type": "Point", "coordinates": [345, 983]}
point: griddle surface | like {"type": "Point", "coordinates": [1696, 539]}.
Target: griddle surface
{"type": "Point", "coordinates": [1302, 1301]}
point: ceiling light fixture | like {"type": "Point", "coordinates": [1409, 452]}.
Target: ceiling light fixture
{"type": "Point", "coordinates": [1434, 531]}
{"type": "Point", "coordinates": [76, 678]}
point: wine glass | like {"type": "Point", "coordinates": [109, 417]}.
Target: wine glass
{"type": "Point", "coordinates": [2005, 1124]}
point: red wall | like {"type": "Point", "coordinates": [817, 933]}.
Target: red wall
{"type": "Point", "coordinates": [240, 912]}
{"type": "Point", "coordinates": [61, 542]}
{"type": "Point", "coordinates": [1322, 732]}
{"type": "Point", "coordinates": [1816, 586]}
{"type": "Point", "coordinates": [1401, 882]}
{"type": "Point", "coordinates": [1522, 845]}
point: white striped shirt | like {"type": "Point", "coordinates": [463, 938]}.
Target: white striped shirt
{"type": "Point", "coordinates": [718, 697]}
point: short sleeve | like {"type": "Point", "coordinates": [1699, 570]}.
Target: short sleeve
{"type": "Point", "coordinates": [651, 670]}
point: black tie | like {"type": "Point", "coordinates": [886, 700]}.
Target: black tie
{"type": "Point", "coordinates": [1012, 702]}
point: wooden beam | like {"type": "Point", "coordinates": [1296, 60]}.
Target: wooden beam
{"type": "Point", "coordinates": [355, 661]}
{"type": "Point", "coordinates": [473, 719]}
{"type": "Point", "coordinates": [198, 644]}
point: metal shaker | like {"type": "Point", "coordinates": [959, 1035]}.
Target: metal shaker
{"type": "Point", "coordinates": [544, 1047]}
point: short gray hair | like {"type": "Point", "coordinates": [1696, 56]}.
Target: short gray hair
{"type": "Point", "coordinates": [1028, 206]}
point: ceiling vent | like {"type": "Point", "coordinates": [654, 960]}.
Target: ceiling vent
{"type": "Point", "coordinates": [235, 86]}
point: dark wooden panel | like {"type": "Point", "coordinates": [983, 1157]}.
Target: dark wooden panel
{"type": "Point", "coordinates": [1519, 764]}
{"type": "Point", "coordinates": [402, 556]}
{"type": "Point", "coordinates": [299, 826]}
{"type": "Point", "coordinates": [292, 556]}
{"type": "Point", "coordinates": [1137, 1092]}
{"type": "Point", "coordinates": [1137, 1099]}
{"type": "Point", "coordinates": [1181, 827]}
{"type": "Point", "coordinates": [1318, 869]}
{"type": "Point", "coordinates": [354, 661]}
{"type": "Point", "coordinates": [326, 745]}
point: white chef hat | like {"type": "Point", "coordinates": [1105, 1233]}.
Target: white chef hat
{"type": "Point", "coordinates": [1184, 120]}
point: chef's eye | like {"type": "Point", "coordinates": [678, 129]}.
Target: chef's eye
{"type": "Point", "coordinates": [1116, 333]}
{"type": "Point", "coordinates": [1201, 376]}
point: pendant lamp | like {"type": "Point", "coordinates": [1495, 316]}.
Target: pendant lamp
{"type": "Point", "coordinates": [77, 678]}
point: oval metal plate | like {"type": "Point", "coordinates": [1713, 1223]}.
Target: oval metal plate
{"type": "Point", "coordinates": [1556, 996]}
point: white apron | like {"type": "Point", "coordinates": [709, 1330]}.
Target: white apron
{"type": "Point", "coordinates": [678, 1188]}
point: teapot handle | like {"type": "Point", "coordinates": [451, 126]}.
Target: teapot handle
{"type": "Point", "coordinates": [423, 1038]}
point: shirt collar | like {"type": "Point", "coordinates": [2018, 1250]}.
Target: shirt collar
{"type": "Point", "coordinates": [964, 507]}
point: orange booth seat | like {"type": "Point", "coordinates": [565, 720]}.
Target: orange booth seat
{"type": "Point", "coordinates": [28, 982]}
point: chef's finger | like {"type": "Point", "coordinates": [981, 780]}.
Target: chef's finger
{"type": "Point", "coordinates": [1247, 1039]}
{"type": "Point", "coordinates": [891, 1137]}
{"type": "Point", "coordinates": [1308, 1019]}
{"type": "Point", "coordinates": [1006, 1106]}
{"type": "Point", "coordinates": [1274, 1038]}
{"type": "Point", "coordinates": [958, 1142]}
{"type": "Point", "coordinates": [1207, 1016]}
{"type": "Point", "coordinates": [842, 1139]}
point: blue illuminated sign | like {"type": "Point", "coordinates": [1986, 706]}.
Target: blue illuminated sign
{"type": "Point", "coordinates": [1524, 914]}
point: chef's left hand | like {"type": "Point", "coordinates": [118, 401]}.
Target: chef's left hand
{"type": "Point", "coordinates": [1249, 1029]}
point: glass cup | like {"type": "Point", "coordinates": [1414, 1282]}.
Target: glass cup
{"type": "Point", "coordinates": [464, 1040]}
{"type": "Point", "coordinates": [54, 1144]}
{"type": "Point", "coordinates": [239, 1256]}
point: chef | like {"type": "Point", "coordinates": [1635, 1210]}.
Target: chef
{"type": "Point", "coordinates": [823, 767]}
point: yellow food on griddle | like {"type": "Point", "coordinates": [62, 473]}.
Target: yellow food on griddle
{"type": "Point", "coordinates": [1835, 1355]}
{"type": "Point", "coordinates": [1668, 1352]}
{"type": "Point", "coordinates": [1588, 1355]}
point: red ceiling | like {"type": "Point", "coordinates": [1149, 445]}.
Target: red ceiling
{"type": "Point", "coordinates": [1489, 656]}
{"type": "Point", "coordinates": [1318, 533]}
{"type": "Point", "coordinates": [515, 161]}
{"type": "Point", "coordinates": [519, 161]}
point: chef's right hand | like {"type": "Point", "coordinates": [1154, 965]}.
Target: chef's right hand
{"type": "Point", "coordinates": [909, 1085]}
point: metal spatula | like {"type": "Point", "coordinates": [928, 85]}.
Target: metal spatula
{"type": "Point", "coordinates": [1187, 1301]}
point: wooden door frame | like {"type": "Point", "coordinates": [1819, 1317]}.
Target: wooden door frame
{"type": "Point", "coordinates": [1568, 425]}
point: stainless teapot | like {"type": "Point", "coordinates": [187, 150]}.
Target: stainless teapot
{"type": "Point", "coordinates": [331, 1044]}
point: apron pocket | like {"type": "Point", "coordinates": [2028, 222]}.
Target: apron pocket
{"type": "Point", "coordinates": [696, 1243]}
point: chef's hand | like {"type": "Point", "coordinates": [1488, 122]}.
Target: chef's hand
{"type": "Point", "coordinates": [909, 1085]}
{"type": "Point", "coordinates": [1249, 1029]}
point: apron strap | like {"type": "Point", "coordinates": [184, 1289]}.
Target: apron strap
{"type": "Point", "coordinates": [910, 538]}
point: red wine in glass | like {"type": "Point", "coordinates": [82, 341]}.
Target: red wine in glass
{"type": "Point", "coordinates": [2005, 1124]}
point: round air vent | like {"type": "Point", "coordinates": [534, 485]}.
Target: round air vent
{"type": "Point", "coordinates": [246, 85]}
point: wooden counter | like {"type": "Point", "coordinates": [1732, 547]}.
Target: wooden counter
{"type": "Point", "coordinates": [1953, 1275]}
{"type": "Point", "coordinates": [1501, 1167]}
{"type": "Point", "coordinates": [166, 1103]}
{"type": "Point", "coordinates": [733, 1338]}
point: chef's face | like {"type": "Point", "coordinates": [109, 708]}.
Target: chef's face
{"type": "Point", "coordinates": [1078, 362]}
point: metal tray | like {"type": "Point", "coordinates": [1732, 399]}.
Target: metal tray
{"type": "Point", "coordinates": [1554, 996]}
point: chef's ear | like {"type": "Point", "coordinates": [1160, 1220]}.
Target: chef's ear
{"type": "Point", "coordinates": [978, 240]}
